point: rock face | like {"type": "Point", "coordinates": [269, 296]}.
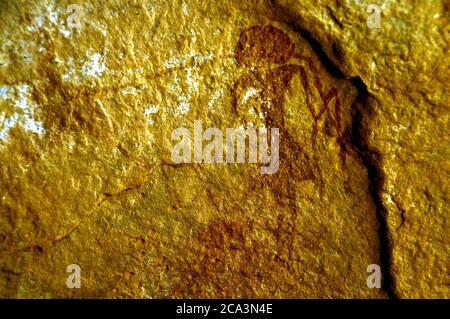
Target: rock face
{"type": "Point", "coordinates": [404, 124]}
{"type": "Point", "coordinates": [88, 104]}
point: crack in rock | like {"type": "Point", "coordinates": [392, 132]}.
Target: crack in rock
{"type": "Point", "coordinates": [369, 157]}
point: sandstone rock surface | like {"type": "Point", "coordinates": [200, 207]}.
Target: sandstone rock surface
{"type": "Point", "coordinates": [87, 178]}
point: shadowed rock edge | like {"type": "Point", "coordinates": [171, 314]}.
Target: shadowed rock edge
{"type": "Point", "coordinates": [369, 157]}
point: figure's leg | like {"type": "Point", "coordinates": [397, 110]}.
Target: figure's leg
{"type": "Point", "coordinates": [310, 63]}
{"type": "Point", "coordinates": [334, 115]}
{"type": "Point", "coordinates": [326, 98]}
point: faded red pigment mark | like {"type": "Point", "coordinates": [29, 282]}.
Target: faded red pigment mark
{"type": "Point", "coordinates": [259, 47]}
{"type": "Point", "coordinates": [229, 258]}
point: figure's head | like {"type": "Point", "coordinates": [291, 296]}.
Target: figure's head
{"type": "Point", "coordinates": [263, 44]}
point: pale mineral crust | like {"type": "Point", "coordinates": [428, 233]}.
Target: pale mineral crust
{"type": "Point", "coordinates": [87, 178]}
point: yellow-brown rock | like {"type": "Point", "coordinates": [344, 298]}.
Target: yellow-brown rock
{"type": "Point", "coordinates": [87, 178]}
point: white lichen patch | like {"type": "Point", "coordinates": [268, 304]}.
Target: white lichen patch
{"type": "Point", "coordinates": [92, 66]}
{"type": "Point", "coordinates": [148, 111]}
{"type": "Point", "coordinates": [249, 93]}
{"type": "Point", "coordinates": [131, 90]}
{"type": "Point", "coordinates": [184, 105]}
{"type": "Point", "coordinates": [95, 66]}
{"type": "Point", "coordinates": [183, 61]}
{"type": "Point", "coordinates": [185, 9]}
{"type": "Point", "coordinates": [24, 116]}
{"type": "Point", "coordinates": [71, 74]}
{"type": "Point", "coordinates": [66, 33]}
{"type": "Point", "coordinates": [4, 59]}
{"type": "Point", "coordinates": [38, 23]}
{"type": "Point", "coordinates": [192, 81]}
{"type": "Point", "coordinates": [151, 109]}
{"type": "Point", "coordinates": [188, 87]}
{"type": "Point", "coordinates": [8, 123]}
{"type": "Point", "coordinates": [215, 98]}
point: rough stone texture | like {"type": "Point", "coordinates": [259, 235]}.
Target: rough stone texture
{"type": "Point", "coordinates": [85, 136]}
{"type": "Point", "coordinates": [404, 124]}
